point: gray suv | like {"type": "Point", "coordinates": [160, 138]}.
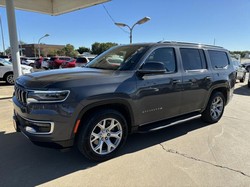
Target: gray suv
{"type": "Point", "coordinates": [129, 88]}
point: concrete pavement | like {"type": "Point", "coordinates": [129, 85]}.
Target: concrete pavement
{"type": "Point", "coordinates": [189, 154]}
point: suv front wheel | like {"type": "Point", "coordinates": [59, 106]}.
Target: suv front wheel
{"type": "Point", "coordinates": [214, 109]}
{"type": "Point", "coordinates": [103, 135]}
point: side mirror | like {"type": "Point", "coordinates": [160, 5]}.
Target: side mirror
{"type": "Point", "coordinates": [152, 68]}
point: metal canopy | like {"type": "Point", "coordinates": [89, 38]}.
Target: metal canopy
{"type": "Point", "coordinates": [53, 7]}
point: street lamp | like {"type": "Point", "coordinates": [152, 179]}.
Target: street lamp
{"type": "Point", "coordinates": [141, 21]}
{"type": "Point", "coordinates": [39, 50]}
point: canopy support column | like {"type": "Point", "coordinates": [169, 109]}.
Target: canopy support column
{"type": "Point", "coordinates": [13, 38]}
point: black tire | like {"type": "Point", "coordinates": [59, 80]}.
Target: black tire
{"type": "Point", "coordinates": [9, 78]}
{"type": "Point", "coordinates": [31, 65]}
{"type": "Point", "coordinates": [94, 142]}
{"type": "Point", "coordinates": [213, 112]}
{"type": "Point", "coordinates": [248, 69]}
{"type": "Point", "coordinates": [248, 84]}
{"type": "Point", "coordinates": [243, 78]}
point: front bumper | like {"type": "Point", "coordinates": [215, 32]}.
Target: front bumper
{"type": "Point", "coordinates": [28, 128]}
{"type": "Point", "coordinates": [43, 125]}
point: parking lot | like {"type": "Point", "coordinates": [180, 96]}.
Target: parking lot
{"type": "Point", "coordinates": [189, 154]}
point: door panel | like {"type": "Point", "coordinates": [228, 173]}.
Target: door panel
{"type": "Point", "coordinates": [159, 96]}
{"type": "Point", "coordinates": [196, 86]}
{"type": "Point", "coordinates": [196, 79]}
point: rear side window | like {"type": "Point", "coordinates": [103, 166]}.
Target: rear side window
{"type": "Point", "coordinates": [219, 59]}
{"type": "Point", "coordinates": [193, 59]}
{"type": "Point", "coordinates": [164, 55]}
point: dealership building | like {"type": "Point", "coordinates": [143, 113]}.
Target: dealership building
{"type": "Point", "coordinates": [31, 50]}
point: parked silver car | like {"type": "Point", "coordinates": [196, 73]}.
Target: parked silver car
{"type": "Point", "coordinates": [248, 81]}
{"type": "Point", "coordinates": [83, 60]}
{"type": "Point", "coordinates": [241, 71]}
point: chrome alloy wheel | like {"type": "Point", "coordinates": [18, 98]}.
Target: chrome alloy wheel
{"type": "Point", "coordinates": [106, 136]}
{"type": "Point", "coordinates": [216, 107]}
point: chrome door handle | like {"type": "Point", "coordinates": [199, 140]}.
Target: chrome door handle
{"type": "Point", "coordinates": [176, 81]}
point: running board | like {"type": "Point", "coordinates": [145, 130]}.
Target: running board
{"type": "Point", "coordinates": [167, 123]}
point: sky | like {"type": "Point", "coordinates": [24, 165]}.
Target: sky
{"type": "Point", "coordinates": [225, 22]}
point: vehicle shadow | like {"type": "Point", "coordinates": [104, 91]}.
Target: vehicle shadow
{"type": "Point", "coordinates": [2, 83]}
{"type": "Point", "coordinates": [24, 164]}
{"type": "Point", "coordinates": [243, 90]}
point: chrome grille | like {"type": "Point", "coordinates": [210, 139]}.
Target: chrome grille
{"type": "Point", "coordinates": [20, 94]}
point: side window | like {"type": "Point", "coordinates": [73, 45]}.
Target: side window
{"type": "Point", "coordinates": [219, 59]}
{"type": "Point", "coordinates": [193, 59]}
{"type": "Point", "coordinates": [164, 55]}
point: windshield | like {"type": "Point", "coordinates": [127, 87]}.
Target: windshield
{"type": "Point", "coordinates": [5, 62]}
{"type": "Point", "coordinates": [119, 58]}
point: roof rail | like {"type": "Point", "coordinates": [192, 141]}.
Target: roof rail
{"type": "Point", "coordinates": [189, 43]}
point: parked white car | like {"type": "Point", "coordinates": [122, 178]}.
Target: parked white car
{"type": "Point", "coordinates": [6, 71]}
{"type": "Point", "coordinates": [45, 63]}
{"type": "Point", "coordinates": [29, 61]}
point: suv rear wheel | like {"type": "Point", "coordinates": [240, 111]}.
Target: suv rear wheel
{"type": "Point", "coordinates": [214, 109]}
{"type": "Point", "coordinates": [103, 135]}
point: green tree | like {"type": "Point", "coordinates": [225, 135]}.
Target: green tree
{"type": "Point", "coordinates": [98, 48]}
{"type": "Point", "coordinates": [68, 50]}
{"type": "Point", "coordinates": [8, 51]}
{"type": "Point", "coordinates": [52, 53]}
{"type": "Point", "coordinates": [242, 53]}
{"type": "Point", "coordinates": [22, 42]}
{"type": "Point", "coordinates": [83, 49]}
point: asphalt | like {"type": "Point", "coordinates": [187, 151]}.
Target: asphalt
{"type": "Point", "coordinates": [189, 154]}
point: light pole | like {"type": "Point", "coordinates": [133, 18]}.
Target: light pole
{"type": "Point", "coordinates": [141, 21]}
{"type": "Point", "coordinates": [39, 50]}
{"type": "Point", "coordinates": [2, 35]}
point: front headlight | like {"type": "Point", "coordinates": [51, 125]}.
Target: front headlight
{"type": "Point", "coordinates": [47, 96]}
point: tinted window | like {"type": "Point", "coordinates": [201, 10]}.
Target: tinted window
{"type": "Point", "coordinates": [218, 59]}
{"type": "Point", "coordinates": [164, 55]}
{"type": "Point", "coordinates": [193, 59]}
{"type": "Point", "coordinates": [52, 59]}
{"type": "Point", "coordinates": [3, 56]}
{"type": "Point", "coordinates": [81, 60]}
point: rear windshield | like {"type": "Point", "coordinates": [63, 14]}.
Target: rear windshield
{"type": "Point", "coordinates": [53, 58]}
{"type": "Point", "coordinates": [81, 60]}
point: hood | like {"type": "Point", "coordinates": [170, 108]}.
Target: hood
{"type": "Point", "coordinates": [25, 66]}
{"type": "Point", "coordinates": [70, 77]}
